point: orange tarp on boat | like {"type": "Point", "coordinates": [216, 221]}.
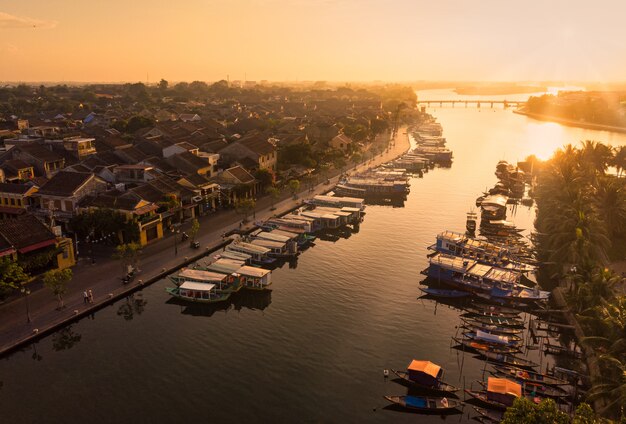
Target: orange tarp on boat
{"type": "Point", "coordinates": [426, 367]}
{"type": "Point", "coordinates": [504, 386]}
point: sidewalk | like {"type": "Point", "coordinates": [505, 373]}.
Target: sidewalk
{"type": "Point", "coordinates": [157, 260]}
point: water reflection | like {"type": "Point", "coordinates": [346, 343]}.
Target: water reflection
{"type": "Point", "coordinates": [244, 299]}
{"type": "Point", "coordinates": [135, 304]}
{"type": "Point", "coordinates": [64, 339]}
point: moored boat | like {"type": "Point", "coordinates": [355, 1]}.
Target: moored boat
{"type": "Point", "coordinates": [499, 394]}
{"type": "Point", "coordinates": [508, 359]}
{"type": "Point", "coordinates": [425, 403]}
{"type": "Point", "coordinates": [425, 375]}
{"type": "Point", "coordinates": [485, 348]}
{"type": "Point", "coordinates": [198, 292]}
{"type": "Point", "coordinates": [528, 376]}
{"type": "Point", "coordinates": [444, 293]}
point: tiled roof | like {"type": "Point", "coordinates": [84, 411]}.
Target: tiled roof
{"type": "Point", "coordinates": [258, 144]}
{"type": "Point", "coordinates": [110, 202]}
{"type": "Point", "coordinates": [241, 174]}
{"type": "Point", "coordinates": [26, 233]}
{"type": "Point", "coordinates": [14, 188]}
{"type": "Point", "coordinates": [65, 183]}
{"type": "Point", "coordinates": [40, 152]}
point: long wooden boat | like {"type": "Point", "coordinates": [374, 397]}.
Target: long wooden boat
{"type": "Point", "coordinates": [503, 322]}
{"type": "Point", "coordinates": [533, 389]}
{"type": "Point", "coordinates": [488, 415]}
{"type": "Point", "coordinates": [472, 312]}
{"type": "Point", "coordinates": [528, 376]}
{"type": "Point", "coordinates": [492, 308]}
{"type": "Point", "coordinates": [478, 347]}
{"type": "Point", "coordinates": [493, 329]}
{"type": "Point", "coordinates": [425, 403]}
{"type": "Point", "coordinates": [481, 396]}
{"type": "Point", "coordinates": [498, 339]}
{"type": "Point", "coordinates": [440, 386]}
{"type": "Point", "coordinates": [198, 292]}
{"type": "Point", "coordinates": [507, 359]}
{"type": "Point", "coordinates": [444, 293]}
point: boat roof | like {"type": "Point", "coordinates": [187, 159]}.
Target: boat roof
{"type": "Point", "coordinates": [197, 274]}
{"type": "Point", "coordinates": [504, 386]}
{"type": "Point", "coordinates": [495, 199]}
{"type": "Point", "coordinates": [268, 243]}
{"type": "Point", "coordinates": [488, 337]}
{"type": "Point", "coordinates": [231, 254]}
{"type": "Point", "coordinates": [504, 275]}
{"type": "Point", "coordinates": [425, 367]}
{"type": "Point", "coordinates": [479, 270]}
{"type": "Point", "coordinates": [225, 266]}
{"type": "Point", "coordinates": [253, 271]}
{"type": "Point", "coordinates": [338, 199]}
{"type": "Point", "coordinates": [190, 285]}
{"type": "Point", "coordinates": [453, 262]}
{"type": "Point", "coordinates": [248, 247]}
{"type": "Point", "coordinates": [271, 236]}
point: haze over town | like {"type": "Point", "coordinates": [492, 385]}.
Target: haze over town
{"type": "Point", "coordinates": [295, 40]}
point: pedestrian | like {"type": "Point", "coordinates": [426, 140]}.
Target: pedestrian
{"type": "Point", "coordinates": [90, 296]}
{"type": "Point", "coordinates": [85, 297]}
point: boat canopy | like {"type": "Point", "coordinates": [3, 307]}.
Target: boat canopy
{"type": "Point", "coordinates": [196, 274]}
{"type": "Point", "coordinates": [415, 401]}
{"type": "Point", "coordinates": [453, 263]}
{"type": "Point", "coordinates": [504, 386]}
{"type": "Point", "coordinates": [503, 275]}
{"type": "Point", "coordinates": [492, 338]}
{"type": "Point", "coordinates": [495, 200]}
{"type": "Point", "coordinates": [479, 270]}
{"type": "Point", "coordinates": [190, 285]}
{"type": "Point", "coordinates": [425, 367]}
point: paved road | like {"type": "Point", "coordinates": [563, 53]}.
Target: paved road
{"type": "Point", "coordinates": [103, 277]}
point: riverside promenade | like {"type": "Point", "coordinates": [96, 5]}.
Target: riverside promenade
{"type": "Point", "coordinates": [157, 260]}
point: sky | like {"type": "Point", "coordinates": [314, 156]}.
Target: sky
{"type": "Point", "coordinates": [312, 40]}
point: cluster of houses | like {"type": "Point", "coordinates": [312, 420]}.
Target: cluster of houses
{"type": "Point", "coordinates": [55, 166]}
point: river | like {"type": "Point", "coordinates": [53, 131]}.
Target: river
{"type": "Point", "coordinates": [311, 350]}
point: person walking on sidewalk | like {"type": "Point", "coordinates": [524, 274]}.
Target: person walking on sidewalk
{"type": "Point", "coordinates": [85, 297]}
{"type": "Point", "coordinates": [90, 296]}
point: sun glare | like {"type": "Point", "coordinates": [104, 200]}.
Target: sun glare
{"type": "Point", "coordinates": [544, 138]}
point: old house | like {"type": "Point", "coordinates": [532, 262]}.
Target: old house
{"type": "Point", "coordinates": [15, 199]}
{"type": "Point", "coordinates": [59, 197]}
{"type": "Point", "coordinates": [43, 159]}
{"type": "Point", "coordinates": [256, 148]}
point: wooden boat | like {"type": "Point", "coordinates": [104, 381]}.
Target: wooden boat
{"type": "Point", "coordinates": [198, 292]}
{"type": "Point", "coordinates": [528, 376]}
{"type": "Point", "coordinates": [444, 293]}
{"type": "Point", "coordinates": [475, 312]}
{"type": "Point", "coordinates": [490, 328]}
{"type": "Point", "coordinates": [492, 308]}
{"type": "Point", "coordinates": [488, 416]}
{"type": "Point", "coordinates": [533, 389]}
{"type": "Point", "coordinates": [425, 403]}
{"type": "Point", "coordinates": [507, 359]}
{"type": "Point", "coordinates": [500, 321]}
{"type": "Point", "coordinates": [497, 339]}
{"type": "Point", "coordinates": [425, 375]}
{"type": "Point", "coordinates": [481, 348]}
{"type": "Point", "coordinates": [499, 393]}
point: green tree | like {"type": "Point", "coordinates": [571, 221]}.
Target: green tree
{"type": "Point", "coordinates": [524, 411]}
{"type": "Point", "coordinates": [265, 177]}
{"type": "Point", "coordinates": [56, 280]}
{"type": "Point", "coordinates": [274, 193]}
{"type": "Point", "coordinates": [163, 85]}
{"type": "Point", "coordinates": [128, 255]}
{"type": "Point", "coordinates": [585, 415]}
{"type": "Point", "coordinates": [193, 231]}
{"type": "Point", "coordinates": [244, 206]}
{"type": "Point", "coordinates": [619, 159]}
{"type": "Point", "coordinates": [12, 276]}
{"type": "Point", "coordinates": [138, 122]}
{"type": "Point", "coordinates": [294, 187]}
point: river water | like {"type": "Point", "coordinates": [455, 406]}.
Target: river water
{"type": "Point", "coordinates": [311, 350]}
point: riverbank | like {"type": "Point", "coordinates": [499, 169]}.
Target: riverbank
{"type": "Point", "coordinates": [158, 260]}
{"type": "Point", "coordinates": [571, 123]}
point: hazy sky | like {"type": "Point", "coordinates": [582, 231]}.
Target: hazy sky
{"type": "Point", "coordinates": [401, 40]}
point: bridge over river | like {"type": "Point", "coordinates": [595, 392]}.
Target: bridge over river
{"type": "Point", "coordinates": [474, 102]}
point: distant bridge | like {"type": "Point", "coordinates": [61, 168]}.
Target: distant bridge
{"type": "Point", "coordinates": [477, 102]}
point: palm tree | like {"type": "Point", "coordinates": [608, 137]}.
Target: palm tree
{"type": "Point", "coordinates": [595, 156]}
{"type": "Point", "coordinates": [610, 201]}
{"type": "Point", "coordinates": [612, 388]}
{"type": "Point", "coordinates": [619, 159]}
